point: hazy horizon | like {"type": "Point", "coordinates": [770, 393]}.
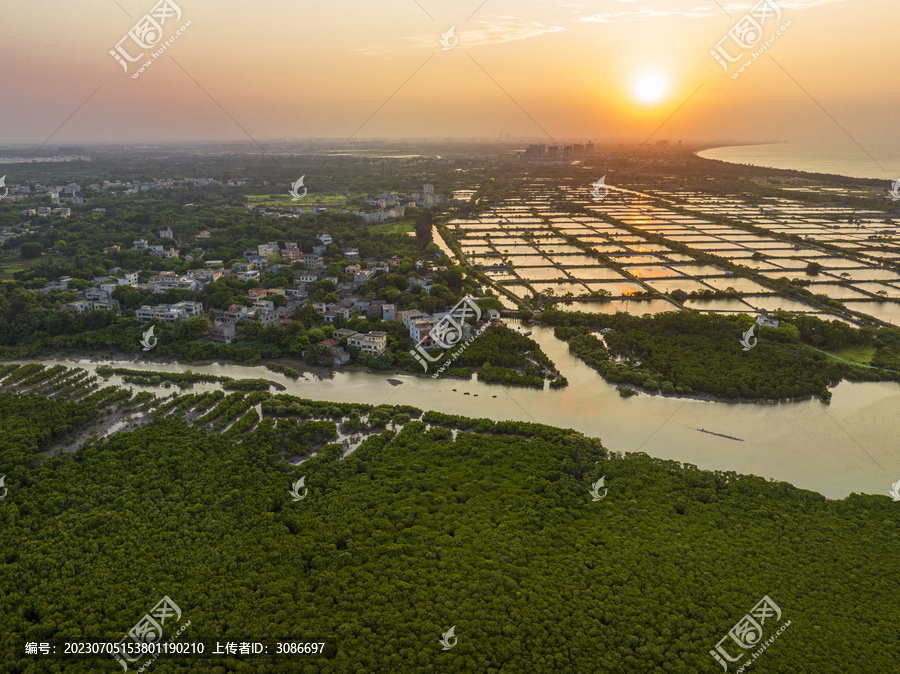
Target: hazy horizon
{"type": "Point", "coordinates": [612, 71]}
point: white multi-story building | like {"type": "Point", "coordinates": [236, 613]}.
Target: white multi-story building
{"type": "Point", "coordinates": [169, 312]}
{"type": "Point", "coordinates": [372, 343]}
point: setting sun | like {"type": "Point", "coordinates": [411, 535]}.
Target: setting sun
{"type": "Point", "coordinates": [650, 87]}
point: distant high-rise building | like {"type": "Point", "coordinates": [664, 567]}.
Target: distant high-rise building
{"type": "Point", "coordinates": [568, 152]}
{"type": "Point", "coordinates": [552, 152]}
{"type": "Point", "coordinates": [589, 148]}
{"type": "Point", "coordinates": [578, 151]}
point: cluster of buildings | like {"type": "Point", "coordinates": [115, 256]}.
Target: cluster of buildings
{"type": "Point", "coordinates": [55, 159]}
{"type": "Point", "coordinates": [45, 211]}
{"type": "Point", "coordinates": [7, 233]}
{"type": "Point", "coordinates": [389, 206]}
{"type": "Point", "coordinates": [160, 184]}
{"type": "Point", "coordinates": [156, 250]}
{"type": "Point", "coordinates": [72, 193]}
{"type": "Point", "coordinates": [170, 313]}
{"type": "Point", "coordinates": [373, 343]}
{"type": "Point", "coordinates": [270, 306]}
{"type": "Point", "coordinates": [553, 153]}
{"type": "Point", "coordinates": [421, 325]}
{"type": "Point", "coordinates": [58, 194]}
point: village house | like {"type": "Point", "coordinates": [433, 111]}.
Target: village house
{"type": "Point", "coordinates": [93, 305]}
{"type": "Point", "coordinates": [236, 313]}
{"type": "Point", "coordinates": [128, 279]}
{"type": "Point", "coordinates": [169, 312]}
{"type": "Point", "coordinates": [341, 333]}
{"type": "Point", "coordinates": [340, 357]}
{"type": "Point", "coordinates": [410, 316]}
{"type": "Point", "coordinates": [373, 343]}
{"type": "Point", "coordinates": [313, 261]}
{"type": "Point", "coordinates": [169, 280]}
{"type": "Point", "coordinates": [221, 333]}
{"type": "Point", "coordinates": [299, 291]}
{"type": "Point", "coordinates": [163, 253]}
{"type": "Point", "coordinates": [291, 254]}
{"type": "Point", "coordinates": [362, 275]}
{"type": "Point", "coordinates": [764, 320]}
{"type": "Point", "coordinates": [420, 332]}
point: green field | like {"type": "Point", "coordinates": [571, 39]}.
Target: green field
{"type": "Point", "coordinates": [861, 354]}
{"type": "Point", "coordinates": [7, 269]}
{"type": "Point", "coordinates": [401, 227]}
{"type": "Point", "coordinates": [311, 199]}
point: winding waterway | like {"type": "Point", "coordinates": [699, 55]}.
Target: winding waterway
{"type": "Point", "coordinates": [837, 448]}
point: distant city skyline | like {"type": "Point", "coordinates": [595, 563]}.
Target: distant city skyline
{"type": "Point", "coordinates": [604, 70]}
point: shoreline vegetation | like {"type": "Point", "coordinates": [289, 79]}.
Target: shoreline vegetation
{"type": "Point", "coordinates": [686, 353]}
{"type": "Point", "coordinates": [676, 354]}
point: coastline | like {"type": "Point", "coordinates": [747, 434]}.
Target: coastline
{"type": "Point", "coordinates": [820, 461]}
{"type": "Point", "coordinates": [324, 373]}
{"type": "Point", "coordinates": [807, 160]}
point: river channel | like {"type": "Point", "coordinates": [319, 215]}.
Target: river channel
{"type": "Point", "coordinates": [837, 448]}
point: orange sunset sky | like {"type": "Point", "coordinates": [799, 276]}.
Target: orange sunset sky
{"type": "Point", "coordinates": [604, 69]}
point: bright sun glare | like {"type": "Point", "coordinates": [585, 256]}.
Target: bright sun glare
{"type": "Point", "coordinates": [650, 87]}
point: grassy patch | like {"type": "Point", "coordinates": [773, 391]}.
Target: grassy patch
{"type": "Point", "coordinates": [393, 228]}
{"type": "Point", "coordinates": [7, 269]}
{"type": "Point", "coordinates": [286, 200]}
{"type": "Point", "coordinates": [862, 354]}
